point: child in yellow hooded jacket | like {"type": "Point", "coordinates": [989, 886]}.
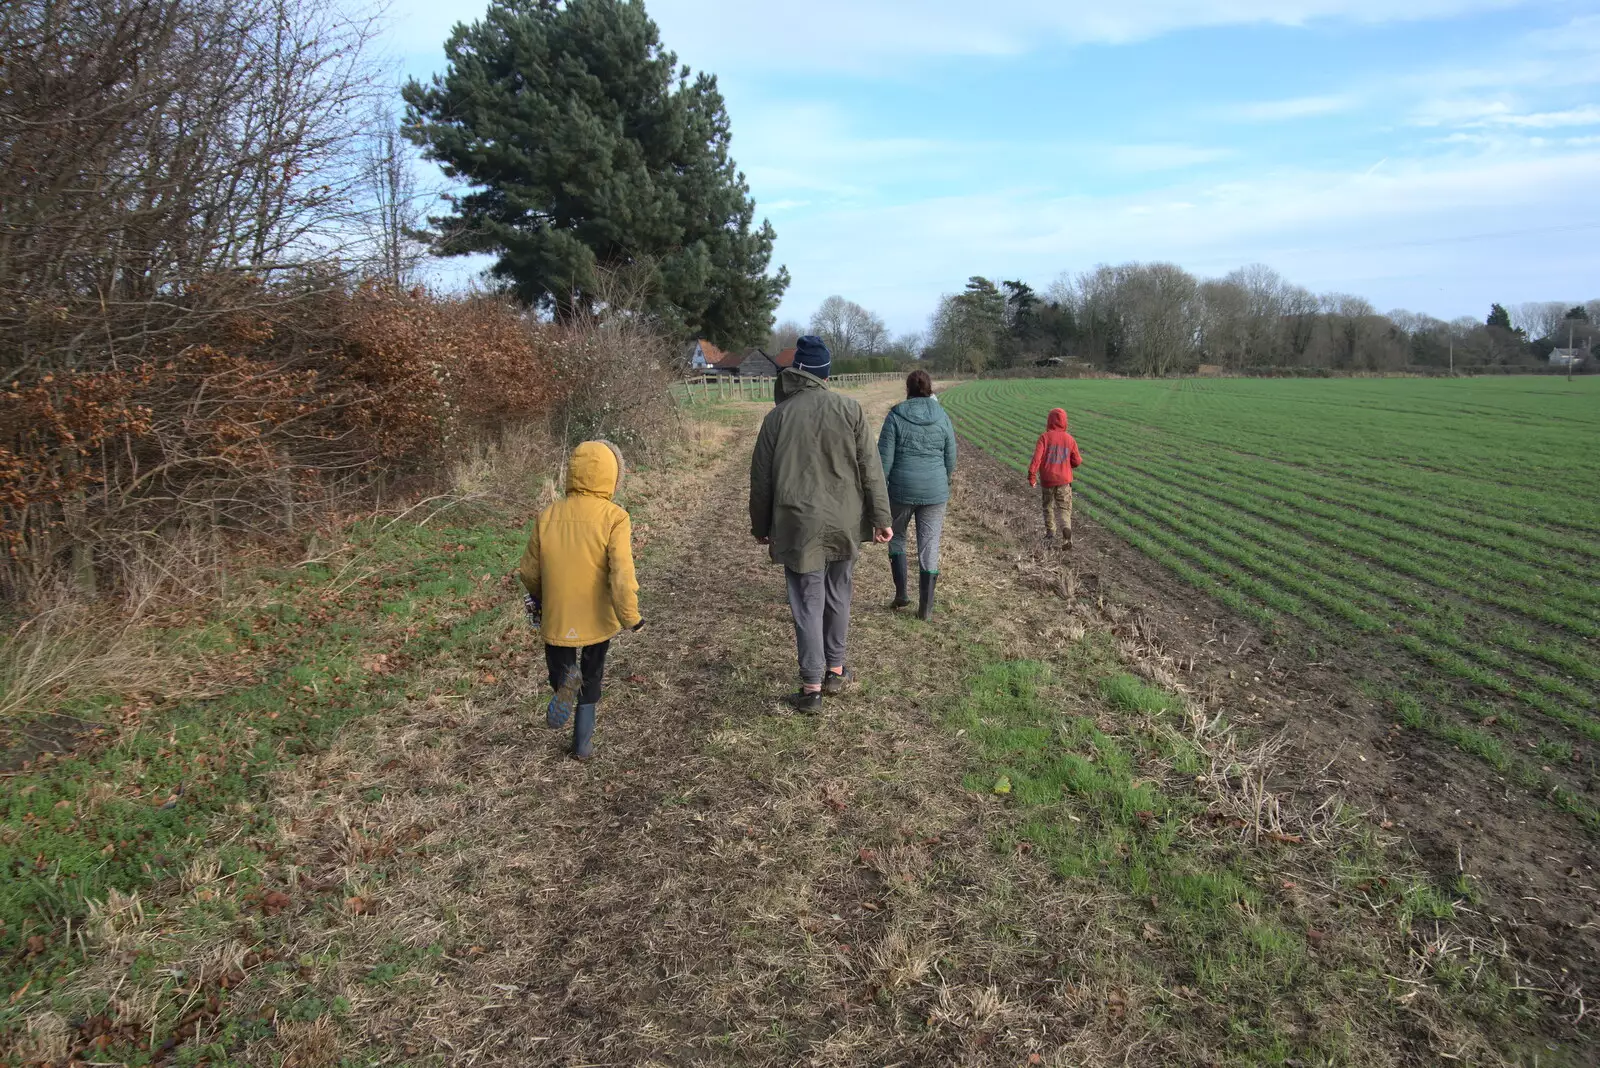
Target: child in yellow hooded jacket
{"type": "Point", "coordinates": [581, 590]}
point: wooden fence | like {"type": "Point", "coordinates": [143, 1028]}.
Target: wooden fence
{"type": "Point", "coordinates": [727, 387]}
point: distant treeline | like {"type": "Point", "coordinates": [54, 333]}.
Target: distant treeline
{"type": "Point", "coordinates": [1160, 319]}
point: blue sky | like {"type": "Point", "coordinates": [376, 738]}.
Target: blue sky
{"type": "Point", "coordinates": [1437, 160]}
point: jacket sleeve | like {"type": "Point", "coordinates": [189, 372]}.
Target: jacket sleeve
{"type": "Point", "coordinates": [761, 483]}
{"type": "Point", "coordinates": [886, 442]}
{"type": "Point", "coordinates": [1038, 458]}
{"type": "Point", "coordinates": [1076, 457]}
{"type": "Point", "coordinates": [874, 490]}
{"type": "Point", "coordinates": [619, 563]}
{"type": "Point", "coordinates": [949, 448]}
{"type": "Point", "coordinates": [529, 571]}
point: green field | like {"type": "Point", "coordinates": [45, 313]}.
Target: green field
{"type": "Point", "coordinates": [1451, 528]}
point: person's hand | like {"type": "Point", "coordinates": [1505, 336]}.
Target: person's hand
{"type": "Point", "coordinates": [1033, 482]}
{"type": "Point", "coordinates": [763, 541]}
{"type": "Point", "coordinates": [637, 627]}
{"type": "Point", "coordinates": [533, 609]}
{"type": "Point", "coordinates": [883, 535]}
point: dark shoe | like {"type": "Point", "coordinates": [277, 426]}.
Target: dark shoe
{"type": "Point", "coordinates": [583, 733]}
{"type": "Point", "coordinates": [835, 684]}
{"type": "Point", "coordinates": [560, 708]}
{"type": "Point", "coordinates": [807, 701]}
{"type": "Point", "coordinates": [928, 580]}
{"type": "Point", "coordinates": [897, 567]}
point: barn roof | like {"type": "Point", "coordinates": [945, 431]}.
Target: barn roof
{"type": "Point", "coordinates": [715, 357]}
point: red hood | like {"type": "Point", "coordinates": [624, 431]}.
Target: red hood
{"type": "Point", "coordinates": [1058, 419]}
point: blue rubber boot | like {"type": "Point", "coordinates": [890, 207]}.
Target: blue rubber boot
{"type": "Point", "coordinates": [560, 710]}
{"type": "Point", "coordinates": [583, 733]}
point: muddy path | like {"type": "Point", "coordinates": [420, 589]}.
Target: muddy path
{"type": "Point", "coordinates": [728, 883]}
{"type": "Point", "coordinates": [1535, 866]}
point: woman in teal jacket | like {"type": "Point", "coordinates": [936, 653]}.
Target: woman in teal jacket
{"type": "Point", "coordinates": [918, 448]}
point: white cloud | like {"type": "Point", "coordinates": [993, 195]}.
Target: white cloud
{"type": "Point", "coordinates": [1588, 115]}
{"type": "Point", "coordinates": [859, 34]}
{"type": "Point", "coordinates": [1303, 107]}
{"type": "Point", "coordinates": [839, 33]}
{"type": "Point", "coordinates": [1440, 235]}
{"type": "Point", "coordinates": [1151, 158]}
{"type": "Point", "coordinates": [1454, 111]}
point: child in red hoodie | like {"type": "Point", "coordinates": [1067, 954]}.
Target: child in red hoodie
{"type": "Point", "coordinates": [1054, 457]}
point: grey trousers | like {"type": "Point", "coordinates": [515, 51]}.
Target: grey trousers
{"type": "Point", "coordinates": [930, 525]}
{"type": "Point", "coordinates": [820, 603]}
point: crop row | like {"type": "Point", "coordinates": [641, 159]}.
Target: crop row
{"type": "Point", "coordinates": [1269, 538]}
{"type": "Point", "coordinates": [1514, 463]}
{"type": "Point", "coordinates": [1433, 558]}
{"type": "Point", "coordinates": [1407, 515]}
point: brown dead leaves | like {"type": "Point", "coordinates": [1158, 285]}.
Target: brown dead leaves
{"type": "Point", "coordinates": [835, 795]}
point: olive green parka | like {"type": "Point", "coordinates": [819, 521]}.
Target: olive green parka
{"type": "Point", "coordinates": [816, 483]}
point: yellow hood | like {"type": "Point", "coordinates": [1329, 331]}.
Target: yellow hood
{"type": "Point", "coordinates": [595, 468]}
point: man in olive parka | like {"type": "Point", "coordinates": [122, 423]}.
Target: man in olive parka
{"type": "Point", "coordinates": [816, 492]}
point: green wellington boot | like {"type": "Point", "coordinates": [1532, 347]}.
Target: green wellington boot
{"type": "Point", "coordinates": [927, 581]}
{"type": "Point", "coordinates": [897, 567]}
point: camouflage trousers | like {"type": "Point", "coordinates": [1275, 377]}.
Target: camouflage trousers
{"type": "Point", "coordinates": [1057, 510]}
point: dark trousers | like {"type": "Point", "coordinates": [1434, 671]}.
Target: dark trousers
{"type": "Point", "coordinates": [591, 660]}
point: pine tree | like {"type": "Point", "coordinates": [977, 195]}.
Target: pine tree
{"type": "Point", "coordinates": [1498, 316]}
{"type": "Point", "coordinates": [590, 150]}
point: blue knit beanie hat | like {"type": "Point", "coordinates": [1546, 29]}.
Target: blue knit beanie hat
{"type": "Point", "coordinates": [812, 356]}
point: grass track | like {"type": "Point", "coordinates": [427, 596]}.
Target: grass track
{"type": "Point", "coordinates": [1454, 523]}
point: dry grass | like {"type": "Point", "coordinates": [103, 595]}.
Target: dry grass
{"type": "Point", "coordinates": [60, 661]}
{"type": "Point", "coordinates": [728, 883]}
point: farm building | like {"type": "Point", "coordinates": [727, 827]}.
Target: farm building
{"type": "Point", "coordinates": [1568, 357]}
{"type": "Point", "coordinates": [757, 364]}
{"type": "Point", "coordinates": [706, 359]}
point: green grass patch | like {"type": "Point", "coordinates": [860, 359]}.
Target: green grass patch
{"type": "Point", "coordinates": [1108, 802]}
{"type": "Point", "coordinates": [134, 812]}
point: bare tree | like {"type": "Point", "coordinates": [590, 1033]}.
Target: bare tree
{"type": "Point", "coordinates": [1102, 319]}
{"type": "Point", "coordinates": [1225, 327]}
{"type": "Point", "coordinates": [1164, 319]}
{"type": "Point", "coordinates": [396, 206]}
{"type": "Point", "coordinates": [848, 328]}
{"type": "Point", "coordinates": [1538, 319]}
{"type": "Point", "coordinates": [1346, 317]}
{"type": "Point", "coordinates": [906, 346]}
{"type": "Point", "coordinates": [1264, 291]}
{"type": "Point", "coordinates": [783, 336]}
{"type": "Point", "coordinates": [151, 143]}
